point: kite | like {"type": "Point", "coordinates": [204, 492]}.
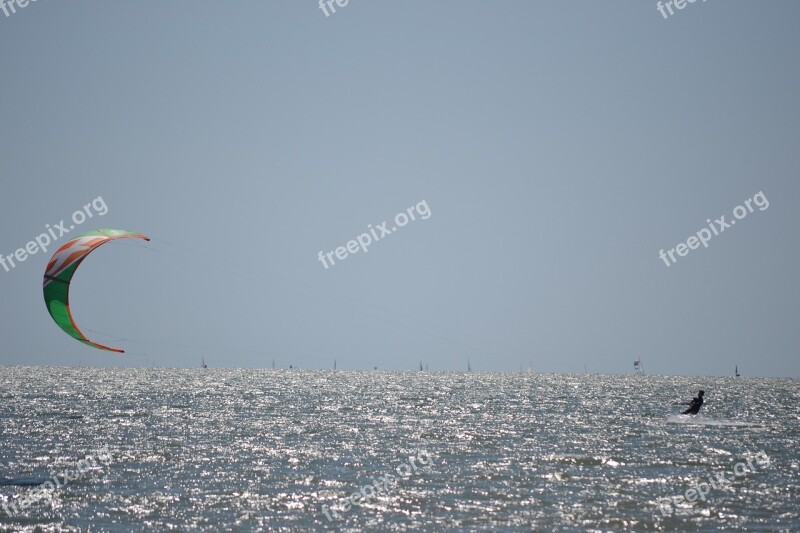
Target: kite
{"type": "Point", "coordinates": [62, 267]}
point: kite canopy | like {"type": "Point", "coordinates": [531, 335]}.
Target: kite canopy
{"type": "Point", "coordinates": [59, 274]}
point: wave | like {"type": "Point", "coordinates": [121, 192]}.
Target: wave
{"type": "Point", "coordinates": [700, 420]}
{"type": "Point", "coordinates": [22, 481]}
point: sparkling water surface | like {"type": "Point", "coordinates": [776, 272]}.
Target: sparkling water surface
{"type": "Point", "coordinates": [259, 450]}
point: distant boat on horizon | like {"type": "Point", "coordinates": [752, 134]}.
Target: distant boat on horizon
{"type": "Point", "coordinates": [203, 363]}
{"type": "Point", "coordinates": [469, 367]}
{"type": "Point", "coordinates": [638, 367]}
{"type": "Point", "coordinates": [736, 372]}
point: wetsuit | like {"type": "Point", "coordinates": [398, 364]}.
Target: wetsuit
{"type": "Point", "coordinates": [695, 406]}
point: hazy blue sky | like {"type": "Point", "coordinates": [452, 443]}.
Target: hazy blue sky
{"type": "Point", "coordinates": [558, 144]}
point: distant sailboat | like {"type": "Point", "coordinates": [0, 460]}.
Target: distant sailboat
{"type": "Point", "coordinates": [420, 366]}
{"type": "Point", "coordinates": [203, 364]}
{"type": "Point", "coordinates": [334, 364]}
{"type": "Point", "coordinates": [469, 367]}
{"type": "Point", "coordinates": [736, 372]}
{"type": "Point", "coordinates": [273, 364]}
{"type": "Point", "coordinates": [638, 367]}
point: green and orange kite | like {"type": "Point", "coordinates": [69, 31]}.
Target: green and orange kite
{"type": "Point", "coordinates": [62, 267]}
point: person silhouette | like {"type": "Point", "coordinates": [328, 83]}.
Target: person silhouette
{"type": "Point", "coordinates": [695, 404]}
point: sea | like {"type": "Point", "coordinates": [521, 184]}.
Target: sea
{"type": "Point", "coordinates": [152, 449]}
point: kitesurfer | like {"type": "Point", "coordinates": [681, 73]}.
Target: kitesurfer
{"type": "Point", "coordinates": [695, 404]}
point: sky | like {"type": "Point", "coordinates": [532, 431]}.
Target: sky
{"type": "Point", "coordinates": [549, 150]}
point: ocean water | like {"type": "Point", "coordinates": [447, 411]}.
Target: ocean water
{"type": "Point", "coordinates": [260, 450]}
